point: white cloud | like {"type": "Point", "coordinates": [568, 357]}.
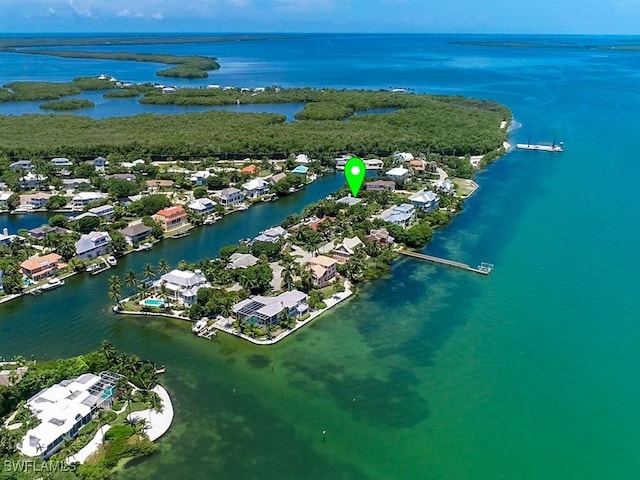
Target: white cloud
{"type": "Point", "coordinates": [129, 14]}
{"type": "Point", "coordinates": [81, 8]}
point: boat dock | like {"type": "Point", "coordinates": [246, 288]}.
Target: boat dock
{"type": "Point", "coordinates": [483, 268]}
{"type": "Point", "coordinates": [207, 332]}
{"type": "Point", "coordinates": [104, 266]}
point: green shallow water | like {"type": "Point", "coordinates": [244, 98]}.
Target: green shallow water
{"type": "Point", "coordinates": [528, 373]}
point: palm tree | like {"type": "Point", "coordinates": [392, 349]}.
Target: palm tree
{"type": "Point", "coordinates": [144, 290]}
{"type": "Point", "coordinates": [127, 396]}
{"type": "Point", "coordinates": [148, 271]}
{"type": "Point", "coordinates": [306, 278]}
{"type": "Point", "coordinates": [163, 267]}
{"type": "Point", "coordinates": [13, 377]}
{"type": "Point", "coordinates": [289, 270]}
{"type": "Point", "coordinates": [110, 352]}
{"type": "Point", "coordinates": [115, 289]}
{"type": "Point", "coordinates": [131, 280]}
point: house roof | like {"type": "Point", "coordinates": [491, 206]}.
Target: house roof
{"type": "Point", "coordinates": [159, 183]}
{"type": "Point", "coordinates": [397, 172]}
{"type": "Point", "coordinates": [35, 263]}
{"type": "Point", "coordinates": [88, 242]}
{"type": "Point", "coordinates": [135, 230]}
{"type": "Point", "coordinates": [202, 204]}
{"type": "Point", "coordinates": [171, 211]}
{"type": "Point", "coordinates": [229, 191]}
{"type": "Point", "coordinates": [255, 184]}
{"type": "Point", "coordinates": [251, 169]}
{"type": "Point", "coordinates": [184, 278]}
{"type": "Point", "coordinates": [88, 196]}
{"type": "Point", "coordinates": [277, 177]}
{"type": "Point", "coordinates": [349, 200]}
{"type": "Point", "coordinates": [426, 196]}
{"type": "Point", "coordinates": [322, 261]}
{"type": "Point", "coordinates": [242, 260]}
{"type": "Point", "coordinates": [318, 271]}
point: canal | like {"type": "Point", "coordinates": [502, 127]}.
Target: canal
{"type": "Point", "coordinates": [77, 317]}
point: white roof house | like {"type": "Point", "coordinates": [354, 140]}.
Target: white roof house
{"type": "Point", "coordinates": [349, 200]}
{"type": "Point", "coordinates": [256, 187]}
{"type": "Point", "coordinates": [200, 177]}
{"type": "Point", "coordinates": [203, 205]}
{"type": "Point", "coordinates": [83, 199]}
{"type": "Point", "coordinates": [303, 158]}
{"type": "Point", "coordinates": [403, 156]}
{"type": "Point", "coordinates": [271, 235]}
{"type": "Point", "coordinates": [241, 260]}
{"type": "Point", "coordinates": [92, 241]}
{"type": "Point", "coordinates": [65, 407]}
{"type": "Point", "coordinates": [402, 215]}
{"type": "Point", "coordinates": [269, 309]}
{"type": "Point", "coordinates": [61, 162]}
{"type": "Point", "coordinates": [445, 185]}
{"type": "Point", "coordinates": [397, 173]}
{"type": "Point", "coordinates": [425, 200]}
{"type": "Point", "coordinates": [183, 285]}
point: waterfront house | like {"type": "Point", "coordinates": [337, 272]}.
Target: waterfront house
{"type": "Point", "coordinates": [73, 183]}
{"type": "Point", "coordinates": [401, 215]}
{"type": "Point", "coordinates": [4, 198]}
{"type": "Point", "coordinates": [381, 236]}
{"type": "Point", "coordinates": [349, 200]}
{"type": "Point", "coordinates": [323, 270]}
{"type": "Point", "coordinates": [171, 217]}
{"type": "Point", "coordinates": [83, 199]}
{"type": "Point", "coordinates": [268, 310]}
{"type": "Point", "coordinates": [40, 200]}
{"type": "Point", "coordinates": [300, 170]}
{"type": "Point", "coordinates": [256, 187]}
{"type": "Point", "coordinates": [302, 158]}
{"type": "Point", "coordinates": [199, 178]}
{"type": "Point", "coordinates": [135, 233]}
{"type": "Point", "coordinates": [203, 206]}
{"type": "Point", "coordinates": [403, 157]}
{"type": "Point", "coordinates": [21, 165]}
{"type": "Point", "coordinates": [31, 181]}
{"type": "Point", "coordinates": [231, 197]}
{"type": "Point", "coordinates": [182, 285]}
{"type": "Point", "coordinates": [5, 238]}
{"type": "Point", "coordinates": [343, 251]}
{"type": "Point", "coordinates": [41, 232]}
{"type": "Point", "coordinates": [250, 169]}
{"type": "Point", "coordinates": [425, 200]}
{"type": "Point", "coordinates": [37, 268]}
{"type": "Point", "coordinates": [445, 186]}
{"type": "Point", "coordinates": [374, 164]}
{"type": "Point", "coordinates": [273, 179]}
{"type": "Point", "coordinates": [104, 211]}
{"type": "Point", "coordinates": [342, 160]}
{"type": "Point", "coordinates": [61, 162]}
{"type": "Point", "coordinates": [271, 235]}
{"type": "Point", "coordinates": [241, 260]}
{"type": "Point", "coordinates": [380, 186]}
{"type": "Point", "coordinates": [169, 90]}
{"type": "Point", "coordinates": [101, 164]}
{"type": "Point", "coordinates": [83, 215]}
{"type": "Point", "coordinates": [397, 174]}
{"type": "Point", "coordinates": [92, 245]}
{"type": "Point", "coordinates": [64, 408]}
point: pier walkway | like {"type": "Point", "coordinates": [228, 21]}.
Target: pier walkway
{"type": "Point", "coordinates": [483, 268]}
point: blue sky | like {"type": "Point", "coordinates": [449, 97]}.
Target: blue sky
{"type": "Point", "coordinates": [419, 16]}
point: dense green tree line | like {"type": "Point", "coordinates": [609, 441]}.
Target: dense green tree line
{"type": "Point", "coordinates": [34, 91]}
{"type": "Point", "coordinates": [423, 123]}
{"type": "Point", "coordinates": [188, 66]}
{"type": "Point", "coordinates": [61, 105]}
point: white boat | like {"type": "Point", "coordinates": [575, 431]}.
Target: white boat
{"type": "Point", "coordinates": [209, 220]}
{"type": "Point", "coordinates": [53, 283]}
{"type": "Point", "coordinates": [200, 325]}
{"type": "Point", "coordinates": [145, 246]}
{"type": "Point", "coordinates": [92, 267]}
{"type": "Point", "coordinates": [23, 209]}
{"type": "Point", "coordinates": [542, 147]}
{"type": "Point", "coordinates": [111, 260]}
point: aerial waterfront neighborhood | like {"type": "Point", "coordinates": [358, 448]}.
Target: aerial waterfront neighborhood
{"type": "Point", "coordinates": [107, 207]}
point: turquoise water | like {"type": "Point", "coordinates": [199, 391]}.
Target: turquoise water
{"type": "Point", "coordinates": [528, 373]}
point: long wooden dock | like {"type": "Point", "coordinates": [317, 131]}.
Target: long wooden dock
{"type": "Point", "coordinates": [483, 268]}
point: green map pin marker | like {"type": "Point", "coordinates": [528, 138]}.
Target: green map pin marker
{"type": "Point", "coordinates": [355, 171]}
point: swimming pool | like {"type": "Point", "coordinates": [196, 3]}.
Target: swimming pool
{"type": "Point", "coordinates": [153, 302]}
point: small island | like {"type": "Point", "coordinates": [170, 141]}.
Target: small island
{"type": "Point", "coordinates": [63, 105]}
{"type": "Point", "coordinates": [81, 415]}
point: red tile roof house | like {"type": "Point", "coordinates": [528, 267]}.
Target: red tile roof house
{"type": "Point", "coordinates": [171, 217]}
{"type": "Point", "coordinates": [38, 268]}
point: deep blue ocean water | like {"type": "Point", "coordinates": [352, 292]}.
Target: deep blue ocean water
{"type": "Point", "coordinates": [529, 373]}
